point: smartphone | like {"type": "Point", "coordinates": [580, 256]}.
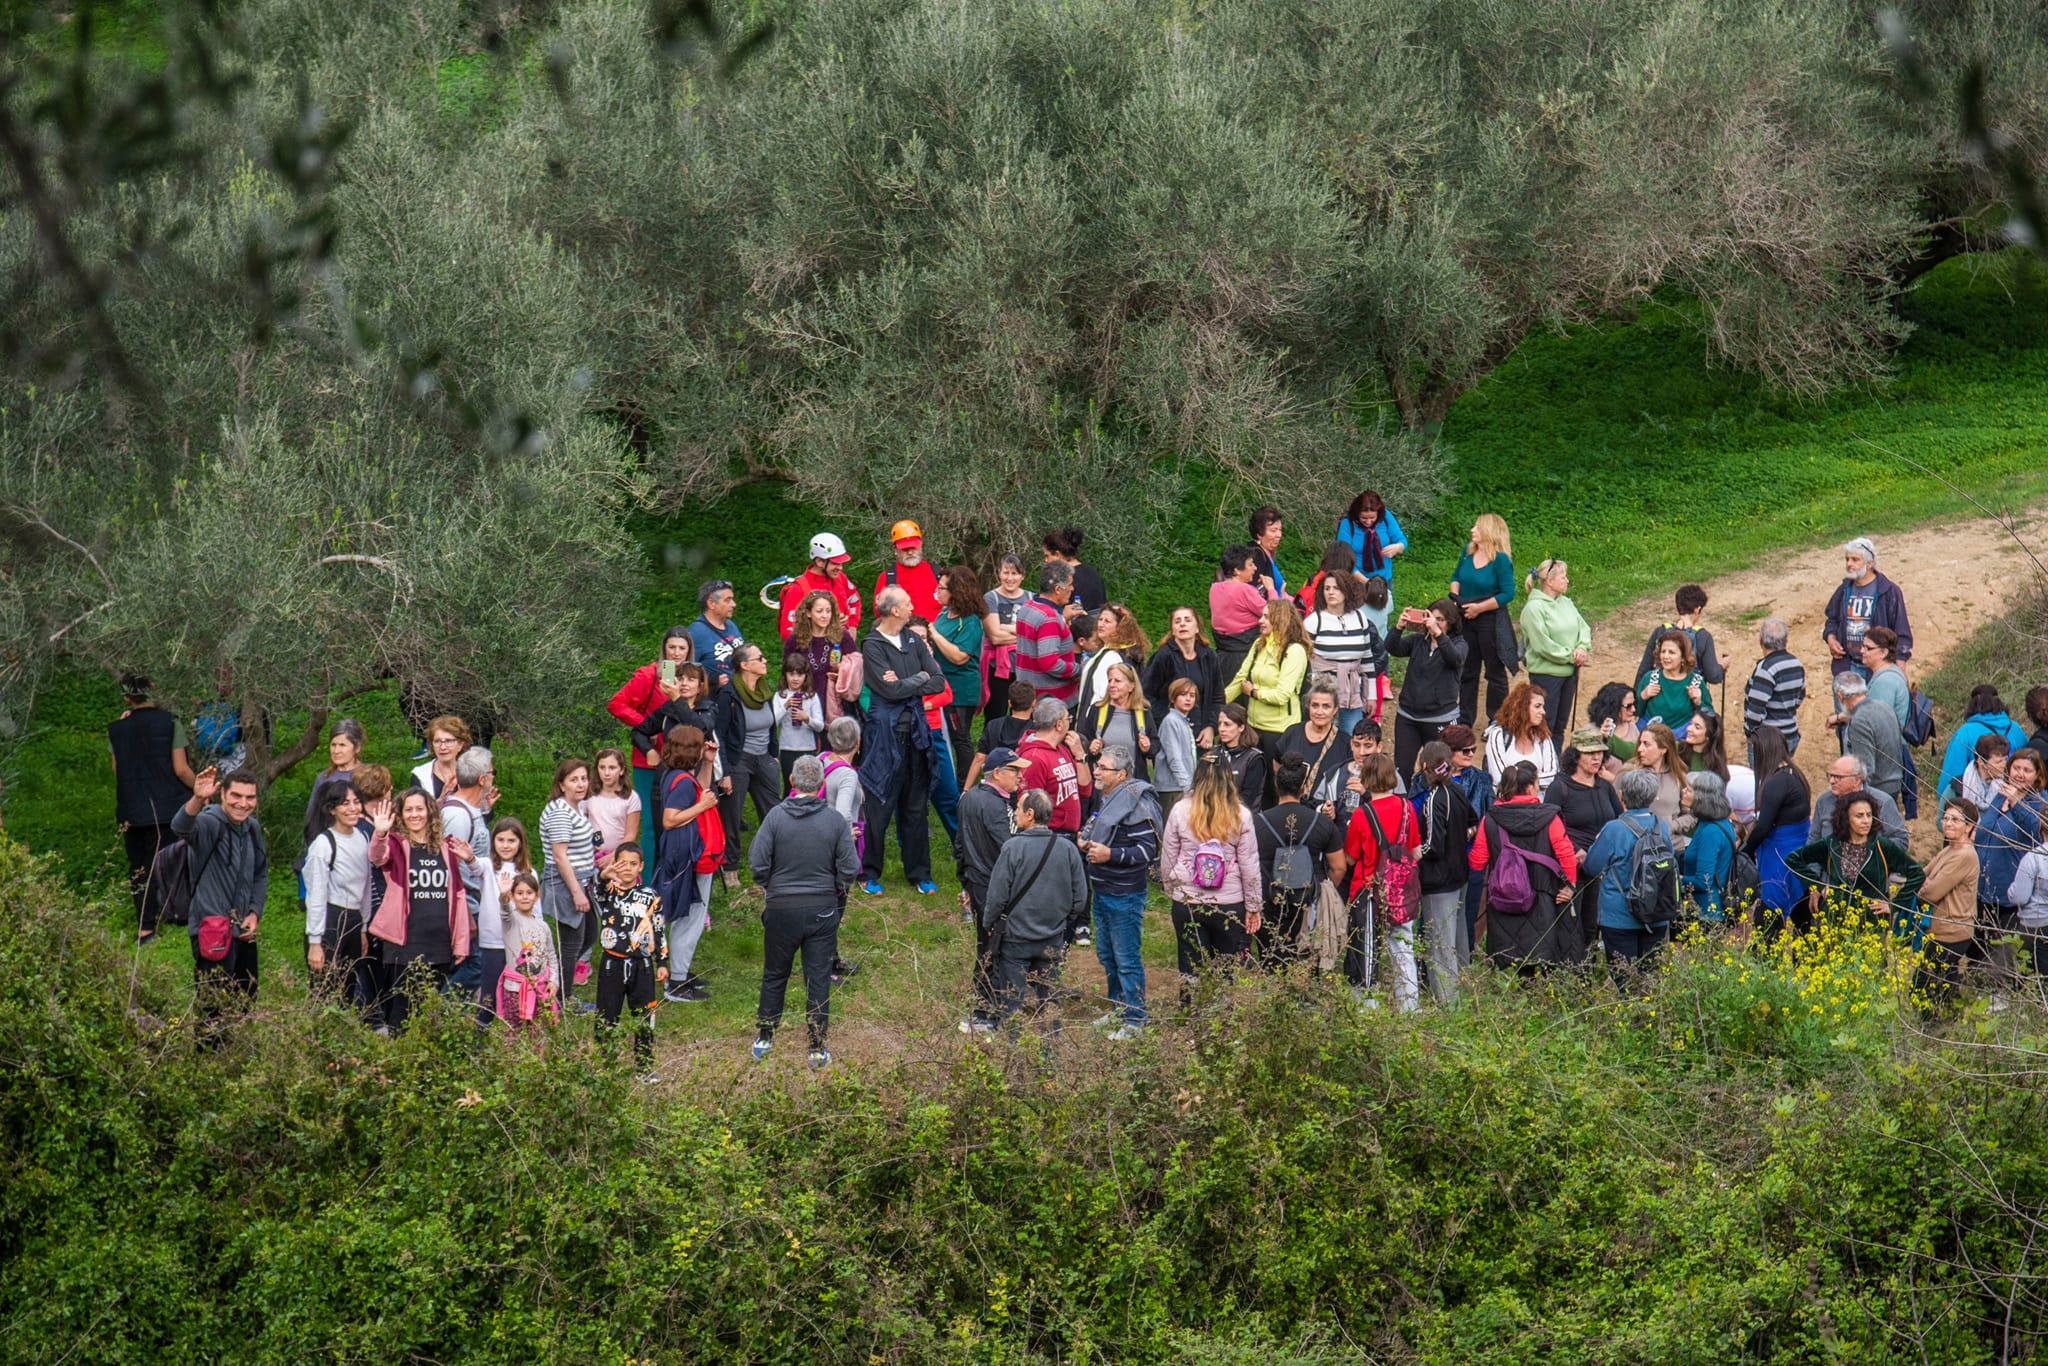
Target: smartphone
{"type": "Point", "coordinates": [668, 671]}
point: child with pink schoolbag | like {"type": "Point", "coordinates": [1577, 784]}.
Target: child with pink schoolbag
{"type": "Point", "coordinates": [526, 987]}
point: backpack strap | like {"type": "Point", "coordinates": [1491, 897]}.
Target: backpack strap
{"type": "Point", "coordinates": [1003, 921]}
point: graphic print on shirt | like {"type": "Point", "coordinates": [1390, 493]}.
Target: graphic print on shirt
{"type": "Point", "coordinates": [1858, 605]}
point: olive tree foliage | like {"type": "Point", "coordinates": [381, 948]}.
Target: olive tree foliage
{"type": "Point", "coordinates": [332, 427]}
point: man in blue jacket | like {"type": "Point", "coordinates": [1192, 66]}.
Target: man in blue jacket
{"type": "Point", "coordinates": [1865, 599]}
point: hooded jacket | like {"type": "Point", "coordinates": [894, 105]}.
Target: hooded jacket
{"type": "Point", "coordinates": [1128, 822]}
{"type": "Point", "coordinates": [1429, 690]}
{"type": "Point", "coordinates": [231, 861]}
{"type": "Point", "coordinates": [1962, 746]}
{"type": "Point", "coordinates": [803, 854]}
{"type": "Point", "coordinates": [1049, 901]}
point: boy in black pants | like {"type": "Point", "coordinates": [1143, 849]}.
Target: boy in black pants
{"type": "Point", "coordinates": [633, 938]}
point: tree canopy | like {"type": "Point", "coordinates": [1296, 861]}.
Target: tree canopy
{"type": "Point", "coordinates": [343, 342]}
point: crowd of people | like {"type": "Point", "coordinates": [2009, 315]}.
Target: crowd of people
{"type": "Point", "coordinates": [1257, 763]}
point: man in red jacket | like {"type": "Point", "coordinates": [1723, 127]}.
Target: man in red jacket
{"type": "Point", "coordinates": [827, 573]}
{"type": "Point", "coordinates": [911, 572]}
{"type": "Point", "coordinates": [1051, 754]}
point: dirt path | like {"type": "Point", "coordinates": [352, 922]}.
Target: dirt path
{"type": "Point", "coordinates": [1955, 577]}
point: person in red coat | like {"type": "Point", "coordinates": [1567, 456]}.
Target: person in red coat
{"type": "Point", "coordinates": [826, 573]}
{"type": "Point", "coordinates": [911, 572]}
{"type": "Point", "coordinates": [637, 699]}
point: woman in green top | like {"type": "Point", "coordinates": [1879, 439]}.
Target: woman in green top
{"type": "Point", "coordinates": [1673, 690]}
{"type": "Point", "coordinates": [1483, 585]}
{"type": "Point", "coordinates": [1556, 640]}
{"type": "Point", "coordinates": [1856, 864]}
{"type": "Point", "coordinates": [956, 639]}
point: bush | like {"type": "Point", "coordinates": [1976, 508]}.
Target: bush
{"type": "Point", "coordinates": [1551, 1171]}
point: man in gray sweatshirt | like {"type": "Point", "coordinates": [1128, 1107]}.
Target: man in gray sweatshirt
{"type": "Point", "coordinates": [1038, 884]}
{"type": "Point", "coordinates": [229, 866]}
{"type": "Point", "coordinates": [803, 858]}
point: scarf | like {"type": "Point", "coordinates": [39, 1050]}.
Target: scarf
{"type": "Point", "coordinates": [754, 696]}
{"type": "Point", "coordinates": [1369, 557]}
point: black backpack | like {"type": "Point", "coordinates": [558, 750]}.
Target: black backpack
{"type": "Point", "coordinates": [1650, 881]}
{"type": "Point", "coordinates": [168, 893]}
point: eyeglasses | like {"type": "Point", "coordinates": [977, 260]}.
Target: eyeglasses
{"type": "Point", "coordinates": [1841, 777]}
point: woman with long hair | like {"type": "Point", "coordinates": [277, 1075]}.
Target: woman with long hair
{"type": "Point", "coordinates": [1270, 678]}
{"type": "Point", "coordinates": [743, 711]}
{"type": "Point", "coordinates": [1613, 710]}
{"type": "Point", "coordinates": [818, 636]}
{"type": "Point", "coordinates": [1122, 718]}
{"type": "Point", "coordinates": [2013, 822]}
{"type": "Point", "coordinates": [1483, 586]}
{"type": "Point", "coordinates": [338, 880]}
{"type": "Point", "coordinates": [689, 706]}
{"type": "Point", "coordinates": [1431, 640]}
{"type": "Point", "coordinates": [956, 640]}
{"type": "Point", "coordinates": [1521, 733]}
{"type": "Point", "coordinates": [1657, 751]}
{"type": "Point", "coordinates": [683, 792]}
{"type": "Point", "coordinates": [568, 844]}
{"type": "Point", "coordinates": [1237, 745]}
{"type": "Point", "coordinates": [999, 634]}
{"type": "Point", "coordinates": [1185, 654]}
{"type": "Point", "coordinates": [422, 925]}
{"type": "Point", "coordinates": [1701, 746]}
{"type": "Point", "coordinates": [1369, 531]}
{"type": "Point", "coordinates": [1209, 864]}
{"type": "Point", "coordinates": [1344, 644]}
{"type": "Point", "coordinates": [1784, 803]}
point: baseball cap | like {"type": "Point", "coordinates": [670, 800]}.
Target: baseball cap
{"type": "Point", "coordinates": [1586, 739]}
{"type": "Point", "coordinates": [1002, 756]}
{"type": "Point", "coordinates": [826, 546]}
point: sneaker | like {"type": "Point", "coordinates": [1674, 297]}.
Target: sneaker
{"type": "Point", "coordinates": [842, 969]}
{"type": "Point", "coordinates": [676, 991]}
{"type": "Point", "coordinates": [821, 1057]}
{"type": "Point", "coordinates": [927, 887]}
{"type": "Point", "coordinates": [1084, 938]}
{"type": "Point", "coordinates": [872, 887]}
{"type": "Point", "coordinates": [582, 973]}
{"type": "Point", "coordinates": [647, 1078]}
{"type": "Point", "coordinates": [582, 1007]}
{"type": "Point", "coordinates": [762, 1043]}
{"type": "Point", "coordinates": [1124, 1032]}
{"type": "Point", "coordinates": [692, 993]}
{"type": "Point", "coordinates": [977, 1023]}
{"type": "Point", "coordinates": [1109, 1021]}
{"type": "Point", "coordinates": [731, 878]}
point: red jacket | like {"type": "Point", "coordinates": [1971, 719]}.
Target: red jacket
{"type": "Point", "coordinates": [842, 590]}
{"type": "Point", "coordinates": [638, 698]}
{"type": "Point", "coordinates": [1560, 843]}
{"type": "Point", "coordinates": [921, 581]}
{"type": "Point", "coordinates": [1362, 847]}
{"type": "Point", "coordinates": [1054, 773]}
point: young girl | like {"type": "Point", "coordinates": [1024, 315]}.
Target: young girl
{"type": "Point", "coordinates": [613, 806]}
{"type": "Point", "coordinates": [525, 984]}
{"type": "Point", "coordinates": [508, 858]}
{"type": "Point", "coordinates": [1177, 742]}
{"type": "Point", "coordinates": [799, 716]}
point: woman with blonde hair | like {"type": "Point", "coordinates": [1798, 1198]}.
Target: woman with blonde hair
{"type": "Point", "coordinates": [1557, 641]}
{"type": "Point", "coordinates": [1483, 586]}
{"type": "Point", "coordinates": [1209, 864]}
{"type": "Point", "coordinates": [1270, 678]}
{"type": "Point", "coordinates": [1121, 718]}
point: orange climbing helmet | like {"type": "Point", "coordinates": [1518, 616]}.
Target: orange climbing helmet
{"type": "Point", "coordinates": [906, 530]}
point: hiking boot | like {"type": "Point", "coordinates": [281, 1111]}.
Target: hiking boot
{"type": "Point", "coordinates": [1124, 1032]}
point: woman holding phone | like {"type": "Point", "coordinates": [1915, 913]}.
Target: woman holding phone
{"type": "Point", "coordinates": [635, 701]}
{"type": "Point", "coordinates": [1431, 639]}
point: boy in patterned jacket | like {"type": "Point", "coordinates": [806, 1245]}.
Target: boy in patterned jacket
{"type": "Point", "coordinates": [633, 938]}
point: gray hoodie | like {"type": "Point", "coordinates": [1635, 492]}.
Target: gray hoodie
{"type": "Point", "coordinates": [1059, 892]}
{"type": "Point", "coordinates": [803, 854]}
{"type": "Point", "coordinates": [231, 861]}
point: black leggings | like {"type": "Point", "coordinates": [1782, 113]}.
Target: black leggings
{"type": "Point", "coordinates": [1201, 933]}
{"type": "Point", "coordinates": [1410, 736]}
{"type": "Point", "coordinates": [960, 729]}
{"type": "Point", "coordinates": [997, 704]}
{"type": "Point", "coordinates": [1484, 647]}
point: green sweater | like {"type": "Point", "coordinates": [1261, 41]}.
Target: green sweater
{"type": "Point", "coordinates": [1551, 629]}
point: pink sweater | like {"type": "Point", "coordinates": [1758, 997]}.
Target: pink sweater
{"type": "Point", "coordinates": [1235, 607]}
{"type": "Point", "coordinates": [1177, 863]}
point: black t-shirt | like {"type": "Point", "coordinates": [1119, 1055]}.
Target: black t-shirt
{"type": "Point", "coordinates": [1089, 589]}
{"type": "Point", "coordinates": [1296, 823]}
{"type": "Point", "coordinates": [1584, 810]}
{"type": "Point", "coordinates": [1320, 756]}
{"type": "Point", "coordinates": [1004, 730]}
{"type": "Point", "coordinates": [426, 922]}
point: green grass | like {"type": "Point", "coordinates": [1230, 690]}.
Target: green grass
{"type": "Point", "coordinates": [1613, 445]}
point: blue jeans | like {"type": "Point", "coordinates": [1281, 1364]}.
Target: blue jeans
{"type": "Point", "coordinates": [650, 815]}
{"type": "Point", "coordinates": [945, 783]}
{"type": "Point", "coordinates": [1119, 918]}
{"type": "Point", "coordinates": [1347, 717]}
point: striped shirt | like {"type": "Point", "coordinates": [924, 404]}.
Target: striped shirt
{"type": "Point", "coordinates": [1346, 639]}
{"type": "Point", "coordinates": [1772, 699]}
{"type": "Point", "coordinates": [1045, 650]}
{"type": "Point", "coordinates": [561, 823]}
